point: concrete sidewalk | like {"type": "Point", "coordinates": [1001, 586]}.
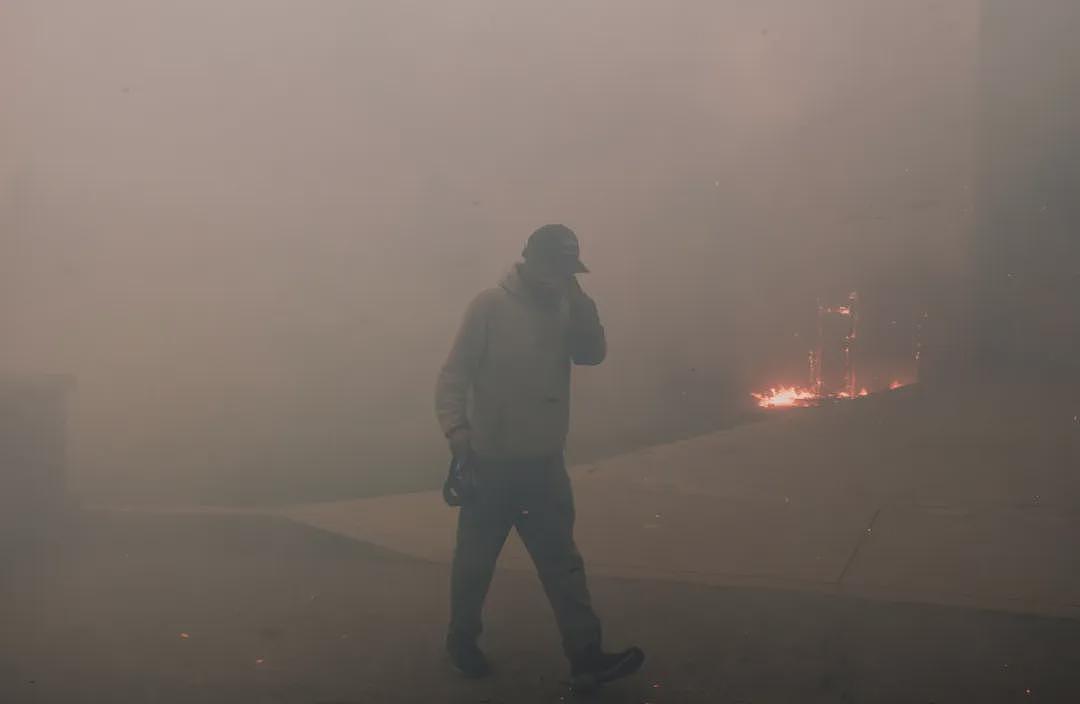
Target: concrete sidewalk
{"type": "Point", "coordinates": [964, 497]}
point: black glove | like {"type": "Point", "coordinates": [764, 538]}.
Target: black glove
{"type": "Point", "coordinates": [460, 485]}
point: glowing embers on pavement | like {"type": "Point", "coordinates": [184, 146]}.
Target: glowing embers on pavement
{"type": "Point", "coordinates": [801, 397]}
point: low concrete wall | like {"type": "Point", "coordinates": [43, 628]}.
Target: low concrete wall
{"type": "Point", "coordinates": [33, 462]}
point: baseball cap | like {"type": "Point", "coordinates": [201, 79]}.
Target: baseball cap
{"type": "Point", "coordinates": [556, 244]}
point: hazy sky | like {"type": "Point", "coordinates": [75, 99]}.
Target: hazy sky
{"type": "Point", "coordinates": [249, 227]}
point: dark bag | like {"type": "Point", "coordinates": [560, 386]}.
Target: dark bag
{"type": "Point", "coordinates": [460, 485]}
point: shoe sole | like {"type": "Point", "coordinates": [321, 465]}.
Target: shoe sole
{"type": "Point", "coordinates": [588, 683]}
{"type": "Point", "coordinates": [470, 675]}
{"type": "Point", "coordinates": [467, 674]}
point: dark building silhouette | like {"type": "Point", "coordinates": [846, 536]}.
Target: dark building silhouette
{"type": "Point", "coordinates": [1028, 229]}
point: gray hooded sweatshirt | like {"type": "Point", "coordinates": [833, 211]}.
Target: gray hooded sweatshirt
{"type": "Point", "coordinates": [507, 377]}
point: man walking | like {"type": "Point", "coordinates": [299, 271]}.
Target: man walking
{"type": "Point", "coordinates": [503, 401]}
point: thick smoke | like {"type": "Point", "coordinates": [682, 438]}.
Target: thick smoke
{"type": "Point", "coordinates": [250, 228]}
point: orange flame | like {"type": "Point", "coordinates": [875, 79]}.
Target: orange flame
{"type": "Point", "coordinates": [785, 397]}
{"type": "Point", "coordinates": [801, 397]}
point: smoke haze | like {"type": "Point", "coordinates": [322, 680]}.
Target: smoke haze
{"type": "Point", "coordinates": [249, 229]}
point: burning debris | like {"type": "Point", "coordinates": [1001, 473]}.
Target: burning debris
{"type": "Point", "coordinates": [831, 364]}
{"type": "Point", "coordinates": [832, 372]}
{"type": "Point", "coordinates": [787, 396]}
{"type": "Point", "coordinates": [800, 397]}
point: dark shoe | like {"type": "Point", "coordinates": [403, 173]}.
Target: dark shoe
{"type": "Point", "coordinates": [597, 667]}
{"type": "Point", "coordinates": [467, 658]}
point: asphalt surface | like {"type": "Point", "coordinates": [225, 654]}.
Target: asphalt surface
{"type": "Point", "coordinates": [140, 607]}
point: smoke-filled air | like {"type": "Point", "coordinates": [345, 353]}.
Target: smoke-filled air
{"type": "Point", "coordinates": [753, 324]}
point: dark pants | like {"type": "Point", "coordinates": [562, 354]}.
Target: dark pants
{"type": "Point", "coordinates": [533, 496]}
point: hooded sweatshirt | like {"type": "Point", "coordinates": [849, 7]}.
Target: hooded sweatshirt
{"type": "Point", "coordinates": [507, 377]}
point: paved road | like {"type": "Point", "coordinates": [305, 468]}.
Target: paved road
{"type": "Point", "coordinates": [830, 555]}
{"type": "Point", "coordinates": [968, 496]}
{"type": "Point", "coordinates": [216, 609]}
